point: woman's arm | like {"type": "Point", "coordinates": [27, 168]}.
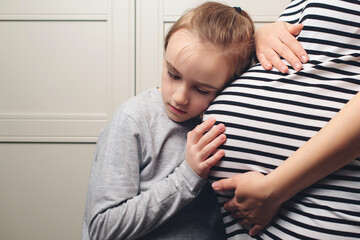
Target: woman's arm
{"type": "Point", "coordinates": [334, 146]}
{"type": "Point", "coordinates": [258, 197]}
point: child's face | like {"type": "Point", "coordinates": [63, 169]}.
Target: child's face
{"type": "Point", "coordinates": [193, 73]}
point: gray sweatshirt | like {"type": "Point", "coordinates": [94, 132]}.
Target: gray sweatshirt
{"type": "Point", "coordinates": [140, 186]}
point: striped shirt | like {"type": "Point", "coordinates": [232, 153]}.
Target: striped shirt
{"type": "Point", "coordinates": [269, 115]}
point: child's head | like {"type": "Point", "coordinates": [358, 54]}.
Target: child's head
{"type": "Point", "coordinates": [205, 49]}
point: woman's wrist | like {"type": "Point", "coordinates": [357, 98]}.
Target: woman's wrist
{"type": "Point", "coordinates": [277, 191]}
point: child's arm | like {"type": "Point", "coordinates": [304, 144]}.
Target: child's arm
{"type": "Point", "coordinates": [277, 39]}
{"type": "Point", "coordinates": [259, 197]}
{"type": "Point", "coordinates": [116, 207]}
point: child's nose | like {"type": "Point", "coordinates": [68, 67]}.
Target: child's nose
{"type": "Point", "coordinates": [181, 95]}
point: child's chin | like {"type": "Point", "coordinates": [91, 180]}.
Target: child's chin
{"type": "Point", "coordinates": [177, 119]}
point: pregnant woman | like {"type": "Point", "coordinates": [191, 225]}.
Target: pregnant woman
{"type": "Point", "coordinates": [270, 117]}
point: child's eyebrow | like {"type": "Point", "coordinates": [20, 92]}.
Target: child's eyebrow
{"type": "Point", "coordinates": [173, 69]}
{"type": "Point", "coordinates": [208, 86]}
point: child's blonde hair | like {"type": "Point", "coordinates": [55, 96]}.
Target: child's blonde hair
{"type": "Point", "coordinates": [229, 30]}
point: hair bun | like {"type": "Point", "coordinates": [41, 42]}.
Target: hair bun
{"type": "Point", "coordinates": [238, 9]}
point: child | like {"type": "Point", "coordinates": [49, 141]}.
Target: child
{"type": "Point", "coordinates": [144, 182]}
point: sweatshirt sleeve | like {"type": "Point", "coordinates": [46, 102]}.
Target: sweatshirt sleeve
{"type": "Point", "coordinates": [116, 209]}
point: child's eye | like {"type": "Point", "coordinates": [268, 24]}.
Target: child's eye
{"type": "Point", "coordinates": [202, 91]}
{"type": "Point", "coordinates": [173, 76]}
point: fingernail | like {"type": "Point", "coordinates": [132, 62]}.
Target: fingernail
{"type": "Point", "coordinates": [297, 66]}
{"type": "Point", "coordinates": [215, 185]}
{"type": "Point", "coordinates": [283, 69]}
{"type": "Point", "coordinates": [212, 120]}
{"type": "Point", "coordinates": [221, 153]}
{"type": "Point", "coordinates": [304, 59]}
{"type": "Point", "coordinates": [221, 127]}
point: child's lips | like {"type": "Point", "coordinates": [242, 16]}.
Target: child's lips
{"type": "Point", "coordinates": [176, 110]}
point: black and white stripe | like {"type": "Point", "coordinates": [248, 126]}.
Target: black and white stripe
{"type": "Point", "coordinates": [268, 115]}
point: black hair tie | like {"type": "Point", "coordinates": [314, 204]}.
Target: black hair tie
{"type": "Point", "coordinates": [238, 9]}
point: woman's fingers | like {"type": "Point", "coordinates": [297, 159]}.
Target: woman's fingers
{"type": "Point", "coordinates": [294, 44]}
{"type": "Point", "coordinates": [278, 40]}
{"type": "Point", "coordinates": [290, 49]}
{"type": "Point", "coordinates": [256, 229]}
{"type": "Point", "coordinates": [245, 222]}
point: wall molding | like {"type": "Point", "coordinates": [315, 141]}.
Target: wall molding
{"type": "Point", "coordinates": [53, 17]}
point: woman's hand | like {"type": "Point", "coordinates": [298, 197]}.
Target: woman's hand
{"type": "Point", "coordinates": [277, 39]}
{"type": "Point", "coordinates": [202, 142]}
{"type": "Point", "coordinates": [253, 204]}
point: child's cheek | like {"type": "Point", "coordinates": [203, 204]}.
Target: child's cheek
{"type": "Point", "coordinates": [206, 104]}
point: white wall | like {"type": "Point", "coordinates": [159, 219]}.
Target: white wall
{"type": "Point", "coordinates": [65, 66]}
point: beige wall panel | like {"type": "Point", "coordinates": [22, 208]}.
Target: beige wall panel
{"type": "Point", "coordinates": [149, 45]}
{"type": "Point", "coordinates": [177, 8]}
{"type": "Point", "coordinates": [261, 10]}
{"type": "Point", "coordinates": [122, 53]}
{"type": "Point", "coordinates": [43, 190]}
{"type": "Point", "coordinates": [52, 74]}
{"type": "Point", "coordinates": [53, 68]}
{"type": "Point", "coordinates": [53, 7]}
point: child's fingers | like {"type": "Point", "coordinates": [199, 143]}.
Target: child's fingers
{"type": "Point", "coordinates": [207, 142]}
{"type": "Point", "coordinates": [197, 133]}
{"type": "Point", "coordinates": [212, 146]}
{"type": "Point", "coordinates": [211, 161]}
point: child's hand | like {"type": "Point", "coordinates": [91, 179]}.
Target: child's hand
{"type": "Point", "coordinates": [277, 39]}
{"type": "Point", "coordinates": [201, 145]}
{"type": "Point", "coordinates": [253, 204]}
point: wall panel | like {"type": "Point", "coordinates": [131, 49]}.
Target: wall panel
{"type": "Point", "coordinates": [56, 74]}
{"type": "Point", "coordinates": [65, 66]}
